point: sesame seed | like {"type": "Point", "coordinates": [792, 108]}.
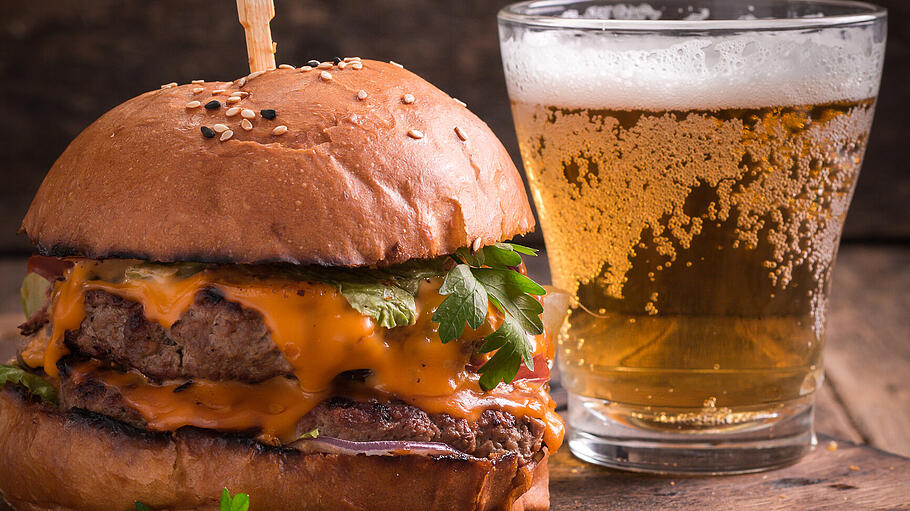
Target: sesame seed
{"type": "Point", "coordinates": [226, 135]}
{"type": "Point", "coordinates": [240, 93]}
{"type": "Point", "coordinates": [407, 99]}
{"type": "Point", "coordinates": [212, 105]}
{"type": "Point", "coordinates": [207, 132]}
{"type": "Point", "coordinates": [231, 112]}
{"type": "Point", "coordinates": [361, 94]}
{"type": "Point", "coordinates": [342, 65]}
{"type": "Point", "coordinates": [854, 468]}
{"type": "Point", "coordinates": [246, 124]}
{"type": "Point", "coordinates": [193, 104]}
{"type": "Point", "coordinates": [357, 65]}
{"type": "Point", "coordinates": [268, 113]}
{"type": "Point", "coordinates": [169, 85]}
{"type": "Point", "coordinates": [396, 64]}
{"type": "Point", "coordinates": [220, 128]}
{"type": "Point", "coordinates": [351, 59]}
{"type": "Point", "coordinates": [217, 91]}
{"type": "Point", "coordinates": [476, 245]}
{"type": "Point", "coordinates": [254, 75]}
{"type": "Point", "coordinates": [233, 99]}
{"type": "Point", "coordinates": [336, 60]}
{"type": "Point", "coordinates": [280, 130]}
{"type": "Point", "coordinates": [416, 134]}
{"type": "Point", "coordinates": [241, 82]}
{"type": "Point", "coordinates": [312, 63]}
{"type": "Point", "coordinates": [198, 81]}
{"type": "Point", "coordinates": [246, 113]}
{"type": "Point", "coordinates": [325, 65]}
{"type": "Point", "coordinates": [461, 134]}
{"type": "Point", "coordinates": [325, 75]}
{"type": "Point", "coordinates": [285, 66]}
{"type": "Point", "coordinates": [197, 90]}
{"type": "Point", "coordinates": [304, 69]}
{"type": "Point", "coordinates": [460, 102]}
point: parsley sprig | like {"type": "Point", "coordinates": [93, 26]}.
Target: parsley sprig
{"type": "Point", "coordinates": [484, 277]}
{"type": "Point", "coordinates": [239, 502]}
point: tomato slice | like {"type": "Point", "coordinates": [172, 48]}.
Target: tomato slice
{"type": "Point", "coordinates": [51, 268]}
{"type": "Point", "coordinates": [541, 370]}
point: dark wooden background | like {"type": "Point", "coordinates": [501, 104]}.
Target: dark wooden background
{"type": "Point", "coordinates": [65, 62]}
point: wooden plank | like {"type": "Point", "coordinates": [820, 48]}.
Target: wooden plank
{"type": "Point", "coordinates": [849, 477]}
{"type": "Point", "coordinates": [867, 358]}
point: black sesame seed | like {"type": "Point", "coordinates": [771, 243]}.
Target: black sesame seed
{"type": "Point", "coordinates": [212, 105]}
{"type": "Point", "coordinates": [337, 60]}
{"type": "Point", "coordinates": [312, 63]}
{"type": "Point", "coordinates": [207, 132]}
{"type": "Point", "coordinates": [268, 113]}
{"type": "Point", "coordinates": [183, 387]}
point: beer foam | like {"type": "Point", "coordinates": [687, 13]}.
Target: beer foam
{"type": "Point", "coordinates": [573, 68]}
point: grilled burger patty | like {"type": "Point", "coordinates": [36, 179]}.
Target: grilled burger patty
{"type": "Point", "coordinates": [214, 339]}
{"type": "Point", "coordinates": [495, 432]}
{"type": "Point", "coordinates": [219, 340]}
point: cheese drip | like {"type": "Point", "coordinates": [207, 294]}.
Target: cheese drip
{"type": "Point", "coordinates": [320, 334]}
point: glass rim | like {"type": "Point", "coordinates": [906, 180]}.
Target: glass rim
{"type": "Point", "coordinates": [517, 13]}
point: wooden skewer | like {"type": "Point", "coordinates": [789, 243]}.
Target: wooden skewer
{"type": "Point", "coordinates": [255, 16]}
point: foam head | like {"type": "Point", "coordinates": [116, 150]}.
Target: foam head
{"type": "Point", "coordinates": [655, 71]}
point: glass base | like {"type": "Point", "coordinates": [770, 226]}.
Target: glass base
{"type": "Point", "coordinates": [723, 442]}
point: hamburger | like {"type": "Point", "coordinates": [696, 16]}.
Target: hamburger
{"type": "Point", "coordinates": [295, 286]}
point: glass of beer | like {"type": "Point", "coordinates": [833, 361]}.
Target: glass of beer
{"type": "Point", "coordinates": [692, 163]}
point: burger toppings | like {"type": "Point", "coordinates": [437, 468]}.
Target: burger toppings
{"type": "Point", "coordinates": [36, 385]}
{"type": "Point", "coordinates": [488, 276]}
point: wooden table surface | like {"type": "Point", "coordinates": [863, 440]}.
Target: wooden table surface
{"type": "Point", "coordinates": [864, 407]}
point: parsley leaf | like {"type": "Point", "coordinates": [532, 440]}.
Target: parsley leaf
{"type": "Point", "coordinates": [466, 303]}
{"type": "Point", "coordinates": [485, 276]}
{"type": "Point", "coordinates": [35, 384]}
{"type": "Point", "coordinates": [512, 291]}
{"type": "Point", "coordinates": [510, 352]}
{"type": "Point", "coordinates": [239, 502]}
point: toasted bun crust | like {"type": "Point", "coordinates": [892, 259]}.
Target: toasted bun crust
{"type": "Point", "coordinates": [345, 185]}
{"type": "Point", "coordinates": [80, 461]}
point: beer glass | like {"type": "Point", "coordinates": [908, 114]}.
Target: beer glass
{"type": "Point", "coordinates": [692, 164]}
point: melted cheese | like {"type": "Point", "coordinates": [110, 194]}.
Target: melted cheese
{"type": "Point", "coordinates": [321, 335]}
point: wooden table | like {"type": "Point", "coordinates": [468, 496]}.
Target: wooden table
{"type": "Point", "coordinates": [864, 407]}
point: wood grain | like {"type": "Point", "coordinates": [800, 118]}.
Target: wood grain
{"type": "Point", "coordinates": [850, 477]}
{"type": "Point", "coordinates": [867, 359]}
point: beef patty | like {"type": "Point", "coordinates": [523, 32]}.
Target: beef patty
{"type": "Point", "coordinates": [214, 339]}
{"type": "Point", "coordinates": [495, 432]}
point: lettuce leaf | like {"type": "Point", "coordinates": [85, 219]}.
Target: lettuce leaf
{"type": "Point", "coordinates": [35, 384]}
{"type": "Point", "coordinates": [34, 293]}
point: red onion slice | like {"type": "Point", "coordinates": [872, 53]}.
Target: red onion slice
{"type": "Point", "coordinates": [332, 445]}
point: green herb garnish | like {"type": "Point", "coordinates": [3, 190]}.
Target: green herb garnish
{"type": "Point", "coordinates": [486, 276]}
{"type": "Point", "coordinates": [33, 293]}
{"type": "Point", "coordinates": [314, 433]}
{"type": "Point", "coordinates": [35, 384]}
{"type": "Point", "coordinates": [239, 502]}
